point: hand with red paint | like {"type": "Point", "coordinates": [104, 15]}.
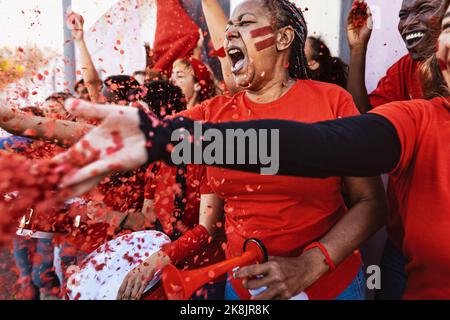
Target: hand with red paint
{"type": "Point", "coordinates": [283, 278]}
{"type": "Point", "coordinates": [136, 281]}
{"type": "Point", "coordinates": [359, 26]}
{"type": "Point", "coordinates": [75, 22]}
{"type": "Point", "coordinates": [118, 144]}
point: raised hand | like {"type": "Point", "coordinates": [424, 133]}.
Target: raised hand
{"type": "Point", "coordinates": [359, 25]}
{"type": "Point", "coordinates": [118, 144]}
{"type": "Point", "coordinates": [75, 22]}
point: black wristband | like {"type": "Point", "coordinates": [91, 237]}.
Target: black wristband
{"type": "Point", "coordinates": [157, 137]}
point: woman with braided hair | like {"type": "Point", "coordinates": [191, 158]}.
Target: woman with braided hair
{"type": "Point", "coordinates": [309, 233]}
{"type": "Point", "coordinates": [264, 44]}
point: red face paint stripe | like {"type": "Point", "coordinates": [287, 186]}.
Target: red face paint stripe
{"type": "Point", "coordinates": [261, 32]}
{"type": "Point", "coordinates": [265, 44]}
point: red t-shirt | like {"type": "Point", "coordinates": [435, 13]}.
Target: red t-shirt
{"type": "Point", "coordinates": [285, 213]}
{"type": "Point", "coordinates": [422, 178]}
{"type": "Point", "coordinates": [400, 83]}
{"type": "Point", "coordinates": [161, 187]}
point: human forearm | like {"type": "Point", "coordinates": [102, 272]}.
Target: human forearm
{"type": "Point", "coordinates": [367, 215]}
{"type": "Point", "coordinates": [90, 75]}
{"type": "Point", "coordinates": [357, 79]}
{"type": "Point", "coordinates": [211, 213]}
{"type": "Point", "coordinates": [196, 239]}
{"type": "Point", "coordinates": [66, 133]}
{"type": "Point", "coordinates": [216, 21]}
{"type": "Point", "coordinates": [319, 150]}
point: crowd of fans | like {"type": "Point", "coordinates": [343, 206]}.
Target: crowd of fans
{"type": "Point", "coordinates": [314, 227]}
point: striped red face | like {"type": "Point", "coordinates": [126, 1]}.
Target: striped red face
{"type": "Point", "coordinates": [251, 45]}
{"type": "Point", "coordinates": [263, 32]}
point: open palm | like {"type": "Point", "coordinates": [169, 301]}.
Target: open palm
{"type": "Point", "coordinates": [358, 37]}
{"type": "Point", "coordinates": [117, 144]}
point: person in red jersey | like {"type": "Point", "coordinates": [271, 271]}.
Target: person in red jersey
{"type": "Point", "coordinates": [419, 26]}
{"type": "Point", "coordinates": [248, 212]}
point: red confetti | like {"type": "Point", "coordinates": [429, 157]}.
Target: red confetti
{"type": "Point", "coordinates": [359, 14]}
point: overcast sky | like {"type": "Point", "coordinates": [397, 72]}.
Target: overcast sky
{"type": "Point", "coordinates": [40, 21]}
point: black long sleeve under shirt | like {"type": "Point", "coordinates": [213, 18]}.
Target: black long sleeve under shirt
{"type": "Point", "coordinates": [366, 145]}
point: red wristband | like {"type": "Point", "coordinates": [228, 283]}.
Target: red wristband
{"type": "Point", "coordinates": [187, 245]}
{"type": "Point", "coordinates": [324, 250]}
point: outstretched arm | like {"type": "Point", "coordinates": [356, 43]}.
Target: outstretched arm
{"type": "Point", "coordinates": [91, 78]}
{"type": "Point", "coordinates": [65, 133]}
{"type": "Point", "coordinates": [358, 39]}
{"type": "Point", "coordinates": [361, 146]}
{"type": "Point", "coordinates": [217, 24]}
{"type": "Point", "coordinates": [366, 145]}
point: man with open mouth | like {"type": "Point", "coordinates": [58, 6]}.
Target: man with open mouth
{"type": "Point", "coordinates": [419, 26]}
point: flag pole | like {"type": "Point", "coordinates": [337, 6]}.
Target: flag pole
{"type": "Point", "coordinates": [69, 50]}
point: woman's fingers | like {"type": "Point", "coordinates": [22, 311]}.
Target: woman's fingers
{"type": "Point", "coordinates": [88, 110]}
{"type": "Point", "coordinates": [91, 172]}
{"type": "Point", "coordinates": [84, 187]}
{"type": "Point", "coordinates": [257, 283]}
{"type": "Point", "coordinates": [141, 292]}
{"type": "Point", "coordinates": [62, 158]}
{"type": "Point", "coordinates": [138, 283]}
{"type": "Point", "coordinates": [143, 279]}
{"type": "Point", "coordinates": [253, 271]}
{"type": "Point", "coordinates": [122, 288]}
{"type": "Point", "coordinates": [129, 287]}
{"type": "Point", "coordinates": [81, 154]}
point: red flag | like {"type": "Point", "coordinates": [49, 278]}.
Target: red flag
{"type": "Point", "coordinates": [176, 34]}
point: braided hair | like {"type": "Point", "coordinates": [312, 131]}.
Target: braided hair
{"type": "Point", "coordinates": [287, 14]}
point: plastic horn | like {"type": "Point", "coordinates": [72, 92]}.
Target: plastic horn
{"type": "Point", "coordinates": [181, 285]}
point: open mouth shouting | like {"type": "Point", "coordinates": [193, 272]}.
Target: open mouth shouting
{"type": "Point", "coordinates": [237, 58]}
{"type": "Point", "coordinates": [413, 38]}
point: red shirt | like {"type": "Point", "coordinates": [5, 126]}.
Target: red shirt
{"type": "Point", "coordinates": [161, 187]}
{"type": "Point", "coordinates": [422, 178]}
{"type": "Point", "coordinates": [285, 213]}
{"type": "Point", "coordinates": [400, 83]}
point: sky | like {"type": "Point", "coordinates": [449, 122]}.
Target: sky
{"type": "Point", "coordinates": [40, 21]}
